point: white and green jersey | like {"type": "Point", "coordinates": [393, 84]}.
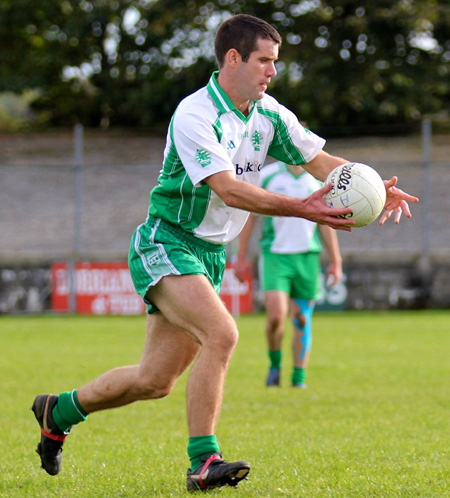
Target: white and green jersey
{"type": "Point", "coordinates": [207, 135]}
{"type": "Point", "coordinates": [287, 235]}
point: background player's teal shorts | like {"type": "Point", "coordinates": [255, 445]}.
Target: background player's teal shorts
{"type": "Point", "coordinates": [295, 274]}
{"type": "Point", "coordinates": [159, 248]}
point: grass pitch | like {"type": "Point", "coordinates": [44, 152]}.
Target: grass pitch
{"type": "Point", "coordinates": [374, 421]}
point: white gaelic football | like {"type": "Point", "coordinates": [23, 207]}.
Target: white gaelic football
{"type": "Point", "coordinates": [358, 187]}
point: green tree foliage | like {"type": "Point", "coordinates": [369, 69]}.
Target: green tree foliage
{"type": "Point", "coordinates": [365, 62]}
{"type": "Point", "coordinates": [129, 62]}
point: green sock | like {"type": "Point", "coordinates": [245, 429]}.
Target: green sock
{"type": "Point", "coordinates": [275, 359]}
{"type": "Point", "coordinates": [199, 446]}
{"type": "Point", "coordinates": [68, 411]}
{"type": "Point", "coordinates": [298, 375]}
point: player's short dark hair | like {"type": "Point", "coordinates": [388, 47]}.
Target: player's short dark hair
{"type": "Point", "coordinates": [242, 33]}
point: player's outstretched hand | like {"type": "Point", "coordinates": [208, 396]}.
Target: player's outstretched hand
{"type": "Point", "coordinates": [319, 212]}
{"type": "Point", "coordinates": [396, 201]}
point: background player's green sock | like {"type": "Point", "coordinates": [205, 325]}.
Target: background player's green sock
{"type": "Point", "coordinates": [298, 375]}
{"type": "Point", "coordinates": [199, 446]}
{"type": "Point", "coordinates": [68, 411]}
{"type": "Point", "coordinates": [275, 359]}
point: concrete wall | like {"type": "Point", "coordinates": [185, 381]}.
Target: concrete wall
{"type": "Point", "coordinates": [397, 286]}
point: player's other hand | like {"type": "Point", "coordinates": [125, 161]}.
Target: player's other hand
{"type": "Point", "coordinates": [241, 267]}
{"type": "Point", "coordinates": [396, 201]}
{"type": "Point", "coordinates": [334, 274]}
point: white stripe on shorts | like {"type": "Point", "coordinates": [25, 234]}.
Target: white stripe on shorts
{"type": "Point", "coordinates": [162, 251]}
{"type": "Point", "coordinates": [167, 260]}
{"type": "Point", "coordinates": [137, 241]}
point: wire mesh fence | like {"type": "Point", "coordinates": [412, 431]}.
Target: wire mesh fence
{"type": "Point", "coordinates": [39, 212]}
{"type": "Point", "coordinates": [55, 206]}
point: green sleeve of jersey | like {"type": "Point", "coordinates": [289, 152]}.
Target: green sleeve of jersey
{"type": "Point", "coordinates": [282, 147]}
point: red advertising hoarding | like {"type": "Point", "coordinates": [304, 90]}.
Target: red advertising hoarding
{"type": "Point", "coordinates": [101, 289]}
{"type": "Point", "coordinates": [237, 296]}
{"type": "Point", "coordinates": [107, 289]}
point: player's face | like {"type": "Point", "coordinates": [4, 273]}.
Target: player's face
{"type": "Point", "coordinates": [254, 75]}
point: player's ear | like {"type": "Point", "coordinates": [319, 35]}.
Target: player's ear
{"type": "Point", "coordinates": [233, 57]}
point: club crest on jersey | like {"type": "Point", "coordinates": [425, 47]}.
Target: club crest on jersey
{"type": "Point", "coordinates": [257, 139]}
{"type": "Point", "coordinates": [153, 259]}
{"type": "Point", "coordinates": [203, 157]}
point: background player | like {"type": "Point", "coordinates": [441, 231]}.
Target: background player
{"type": "Point", "coordinates": [290, 269]}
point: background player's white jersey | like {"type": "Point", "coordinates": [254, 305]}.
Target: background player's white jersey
{"type": "Point", "coordinates": [287, 235]}
{"type": "Point", "coordinates": [208, 135]}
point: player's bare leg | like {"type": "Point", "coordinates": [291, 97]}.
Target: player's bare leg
{"type": "Point", "coordinates": [277, 305]}
{"type": "Point", "coordinates": [168, 351]}
{"type": "Point", "coordinates": [300, 358]}
{"type": "Point", "coordinates": [301, 314]}
{"type": "Point", "coordinates": [192, 305]}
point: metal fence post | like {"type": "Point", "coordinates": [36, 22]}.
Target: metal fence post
{"type": "Point", "coordinates": [426, 159]}
{"type": "Point", "coordinates": [78, 199]}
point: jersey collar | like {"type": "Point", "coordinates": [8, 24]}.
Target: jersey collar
{"type": "Point", "coordinates": [222, 101]}
{"type": "Point", "coordinates": [283, 167]}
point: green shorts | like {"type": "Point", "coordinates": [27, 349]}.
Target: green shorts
{"type": "Point", "coordinates": [295, 274]}
{"type": "Point", "coordinates": [159, 248]}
